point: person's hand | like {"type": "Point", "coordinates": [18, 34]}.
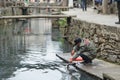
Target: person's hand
{"type": "Point", "coordinates": [72, 52]}
{"type": "Point", "coordinates": [70, 60]}
{"type": "Point", "coordinates": [87, 41]}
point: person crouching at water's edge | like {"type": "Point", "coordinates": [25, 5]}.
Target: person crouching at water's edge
{"type": "Point", "coordinates": [85, 49]}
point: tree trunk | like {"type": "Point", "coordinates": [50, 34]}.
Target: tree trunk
{"type": "Point", "coordinates": [105, 6]}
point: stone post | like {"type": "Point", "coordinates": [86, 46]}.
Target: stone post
{"type": "Point", "coordinates": [65, 3]}
{"type": "Point", "coordinates": [105, 6]}
{"type": "Point", "coordinates": [93, 3]}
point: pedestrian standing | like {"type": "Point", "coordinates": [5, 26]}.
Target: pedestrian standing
{"type": "Point", "coordinates": [24, 9]}
{"type": "Point", "coordinates": [84, 5]}
{"type": "Point", "coordinates": [118, 7]}
{"type": "Point", "coordinates": [79, 3]}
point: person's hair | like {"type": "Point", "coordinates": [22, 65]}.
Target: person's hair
{"type": "Point", "coordinates": [77, 40]}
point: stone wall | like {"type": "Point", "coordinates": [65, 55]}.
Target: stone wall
{"type": "Point", "coordinates": [106, 38]}
{"type": "Point", "coordinates": [8, 11]}
{"type": "Point", "coordinates": [5, 12]}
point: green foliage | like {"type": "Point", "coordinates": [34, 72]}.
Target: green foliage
{"type": "Point", "coordinates": [83, 34]}
{"type": "Point", "coordinates": [62, 22]}
{"type": "Point", "coordinates": [61, 40]}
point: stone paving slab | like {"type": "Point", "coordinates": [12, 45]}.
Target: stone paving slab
{"type": "Point", "coordinates": [111, 76]}
{"type": "Point", "coordinates": [91, 16]}
{"type": "Point", "coordinates": [98, 68]}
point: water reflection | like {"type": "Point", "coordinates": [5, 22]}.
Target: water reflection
{"type": "Point", "coordinates": [10, 46]}
{"type": "Point", "coordinates": [28, 52]}
{"type": "Point", "coordinates": [26, 47]}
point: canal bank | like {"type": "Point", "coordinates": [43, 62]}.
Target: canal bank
{"type": "Point", "coordinates": [102, 30]}
{"type": "Point", "coordinates": [99, 69]}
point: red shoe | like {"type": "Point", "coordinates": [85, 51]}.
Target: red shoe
{"type": "Point", "coordinates": [80, 59]}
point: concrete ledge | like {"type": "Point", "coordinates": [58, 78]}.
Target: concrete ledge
{"type": "Point", "coordinates": [36, 16]}
{"type": "Point", "coordinates": [65, 57]}
{"type": "Point", "coordinates": [99, 69]}
{"type": "Point", "coordinates": [111, 76]}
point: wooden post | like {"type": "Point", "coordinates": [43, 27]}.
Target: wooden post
{"type": "Point", "coordinates": [105, 6]}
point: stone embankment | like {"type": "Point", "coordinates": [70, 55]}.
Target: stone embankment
{"type": "Point", "coordinates": [101, 29]}
{"type": "Point", "coordinates": [106, 38]}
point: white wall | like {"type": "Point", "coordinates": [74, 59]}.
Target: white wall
{"type": "Point", "coordinates": [51, 1]}
{"type": "Point", "coordinates": [70, 3]}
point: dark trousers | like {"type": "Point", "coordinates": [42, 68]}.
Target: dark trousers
{"type": "Point", "coordinates": [24, 11]}
{"type": "Point", "coordinates": [84, 5]}
{"type": "Point", "coordinates": [118, 6]}
{"type": "Point", "coordinates": [85, 58]}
